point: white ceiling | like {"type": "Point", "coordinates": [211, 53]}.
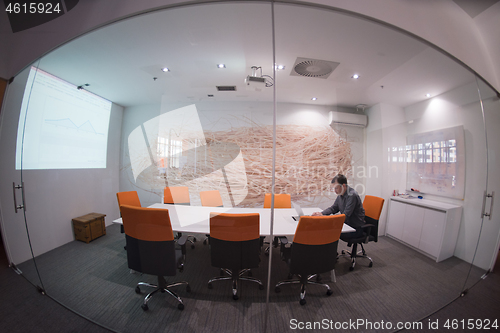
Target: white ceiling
{"type": "Point", "coordinates": [120, 61]}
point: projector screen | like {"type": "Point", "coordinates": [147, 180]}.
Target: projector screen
{"type": "Point", "coordinates": [60, 126]}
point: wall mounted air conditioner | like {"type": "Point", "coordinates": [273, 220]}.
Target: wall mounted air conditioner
{"type": "Point", "coordinates": [350, 119]}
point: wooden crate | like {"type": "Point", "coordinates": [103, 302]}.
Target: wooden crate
{"type": "Point", "coordinates": [89, 227]}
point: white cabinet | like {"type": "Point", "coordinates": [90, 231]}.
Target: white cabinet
{"type": "Point", "coordinates": [432, 232]}
{"type": "Point", "coordinates": [395, 220]}
{"type": "Point", "coordinates": [429, 226]}
{"type": "Point", "coordinates": [412, 227]}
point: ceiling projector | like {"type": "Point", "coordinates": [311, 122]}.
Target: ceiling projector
{"type": "Point", "coordinates": [255, 82]}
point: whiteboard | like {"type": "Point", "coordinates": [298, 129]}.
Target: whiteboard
{"type": "Point", "coordinates": [436, 162]}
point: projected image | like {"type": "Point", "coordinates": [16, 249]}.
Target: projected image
{"type": "Point", "coordinates": [61, 127]}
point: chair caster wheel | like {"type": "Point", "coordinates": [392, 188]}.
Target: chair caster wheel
{"type": "Point", "coordinates": [180, 306]}
{"type": "Point", "coordinates": [329, 292]}
{"type": "Point", "coordinates": [210, 286]}
{"type": "Point", "coordinates": [302, 301]}
{"type": "Point", "coordinates": [370, 265]}
{"type": "Point", "coordinates": [261, 287]}
{"type": "Point", "coordinates": [137, 290]}
{"type": "Point", "coordinates": [318, 278]}
{"type": "Point", "coordinates": [145, 307]}
{"type": "Point", "coordinates": [235, 297]}
{"type": "Point", "coordinates": [343, 252]}
{"type": "Point", "coordinates": [188, 288]}
{"type": "Point", "coordinates": [277, 289]}
{"type": "Point", "coordinates": [194, 239]}
{"type": "Point", "coordinates": [351, 268]}
{"type": "Point", "coordinates": [250, 273]}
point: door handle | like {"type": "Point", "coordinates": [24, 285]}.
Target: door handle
{"type": "Point", "coordinates": [14, 188]}
{"type": "Point", "coordinates": [492, 196]}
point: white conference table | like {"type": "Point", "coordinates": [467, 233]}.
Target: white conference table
{"type": "Point", "coordinates": [195, 219]}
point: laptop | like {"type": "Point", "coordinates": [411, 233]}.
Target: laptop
{"type": "Point", "coordinates": [299, 211]}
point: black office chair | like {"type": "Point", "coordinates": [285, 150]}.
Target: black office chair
{"type": "Point", "coordinates": [234, 247]}
{"type": "Point", "coordinates": [178, 195]}
{"type": "Point", "coordinates": [373, 209]}
{"type": "Point", "coordinates": [151, 249]}
{"type": "Point", "coordinates": [312, 252]}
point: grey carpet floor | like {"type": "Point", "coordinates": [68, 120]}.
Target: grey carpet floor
{"type": "Point", "coordinates": [402, 286]}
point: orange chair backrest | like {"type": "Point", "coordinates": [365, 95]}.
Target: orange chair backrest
{"type": "Point", "coordinates": [129, 198]}
{"type": "Point", "coordinates": [211, 199]}
{"type": "Point", "coordinates": [281, 200]}
{"type": "Point", "coordinates": [319, 230]}
{"type": "Point", "coordinates": [148, 224]}
{"type": "Point", "coordinates": [234, 227]}
{"type": "Point", "coordinates": [176, 195]}
{"type": "Point", "coordinates": [373, 206]}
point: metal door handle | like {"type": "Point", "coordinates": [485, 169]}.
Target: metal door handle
{"type": "Point", "coordinates": [14, 188]}
{"type": "Point", "coordinates": [492, 196]}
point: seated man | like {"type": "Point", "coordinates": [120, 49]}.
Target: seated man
{"type": "Point", "coordinates": [349, 203]}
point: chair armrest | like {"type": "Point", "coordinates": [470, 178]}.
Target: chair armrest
{"type": "Point", "coordinates": [181, 241]}
{"type": "Point", "coordinates": [367, 230]}
{"type": "Point", "coordinates": [283, 240]}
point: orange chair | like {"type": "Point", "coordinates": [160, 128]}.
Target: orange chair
{"type": "Point", "coordinates": [281, 200]}
{"type": "Point", "coordinates": [129, 198]}
{"type": "Point", "coordinates": [373, 208]}
{"type": "Point", "coordinates": [211, 199]}
{"type": "Point", "coordinates": [313, 251]}
{"type": "Point", "coordinates": [151, 249]}
{"type": "Point", "coordinates": [178, 195]}
{"type": "Point", "coordinates": [234, 247]}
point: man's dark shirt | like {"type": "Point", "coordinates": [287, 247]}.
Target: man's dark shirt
{"type": "Point", "coordinates": [349, 204]}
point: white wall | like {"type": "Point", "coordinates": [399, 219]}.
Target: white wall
{"type": "Point", "coordinates": [389, 126]}
{"type": "Point", "coordinates": [53, 197]}
{"type": "Point", "coordinates": [386, 129]}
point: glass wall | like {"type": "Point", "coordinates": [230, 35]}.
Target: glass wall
{"type": "Point", "coordinates": [214, 97]}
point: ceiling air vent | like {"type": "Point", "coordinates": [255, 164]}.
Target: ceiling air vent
{"type": "Point", "coordinates": [313, 68]}
{"type": "Point", "coordinates": [226, 88]}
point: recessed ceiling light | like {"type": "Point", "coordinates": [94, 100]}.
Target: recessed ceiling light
{"type": "Point", "coordinates": [355, 76]}
{"type": "Point", "coordinates": [165, 69]}
{"type": "Point", "coordinates": [314, 98]}
{"type": "Point", "coordinates": [221, 66]}
{"type": "Point", "coordinates": [280, 67]}
{"type": "Point", "coordinates": [427, 95]}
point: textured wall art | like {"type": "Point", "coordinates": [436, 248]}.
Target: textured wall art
{"type": "Point", "coordinates": [174, 150]}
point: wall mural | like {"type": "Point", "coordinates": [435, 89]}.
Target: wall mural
{"type": "Point", "coordinates": [236, 161]}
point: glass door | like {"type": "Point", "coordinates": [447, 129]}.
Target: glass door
{"type": "Point", "coordinates": [396, 116]}
{"type": "Point", "coordinates": [185, 120]}
{"type": "Point", "coordinates": [18, 230]}
{"type": "Point", "coordinates": [486, 252]}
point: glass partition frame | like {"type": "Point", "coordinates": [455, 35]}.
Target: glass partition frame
{"type": "Point", "coordinates": [161, 163]}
